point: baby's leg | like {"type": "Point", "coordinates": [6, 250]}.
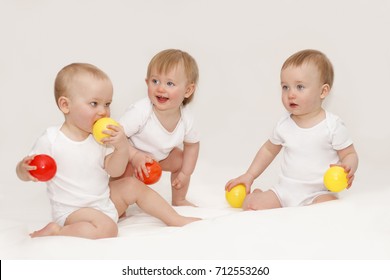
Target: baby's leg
{"type": "Point", "coordinates": [49, 230]}
{"type": "Point", "coordinates": [129, 172]}
{"type": "Point", "coordinates": [127, 191]}
{"type": "Point", "coordinates": [85, 222]}
{"type": "Point", "coordinates": [259, 200]}
{"type": "Point", "coordinates": [153, 204]}
{"type": "Point", "coordinates": [179, 196]}
{"type": "Point", "coordinates": [173, 164]}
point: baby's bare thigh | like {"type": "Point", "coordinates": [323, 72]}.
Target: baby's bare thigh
{"type": "Point", "coordinates": [173, 162]}
{"type": "Point", "coordinates": [90, 215]}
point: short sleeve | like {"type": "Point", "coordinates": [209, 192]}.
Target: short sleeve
{"type": "Point", "coordinates": [135, 117]}
{"type": "Point", "coordinates": [339, 134]}
{"type": "Point", "coordinates": [276, 138]}
{"type": "Point", "coordinates": [191, 133]}
{"type": "Point", "coordinates": [43, 145]}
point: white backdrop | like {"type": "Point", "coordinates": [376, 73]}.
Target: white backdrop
{"type": "Point", "coordinates": [239, 46]}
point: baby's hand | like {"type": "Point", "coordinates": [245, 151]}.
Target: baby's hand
{"type": "Point", "coordinates": [23, 168]}
{"type": "Point", "coordinates": [348, 170]}
{"type": "Point", "coordinates": [181, 181]}
{"type": "Point", "coordinates": [245, 179]}
{"type": "Point", "coordinates": [138, 162]}
{"type": "Point", "coordinates": [117, 137]}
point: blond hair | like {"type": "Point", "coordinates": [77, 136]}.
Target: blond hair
{"type": "Point", "coordinates": [167, 60]}
{"type": "Point", "coordinates": [67, 75]}
{"type": "Point", "coordinates": [318, 59]}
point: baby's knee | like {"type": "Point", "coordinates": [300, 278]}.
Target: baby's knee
{"type": "Point", "coordinates": [113, 232]}
{"type": "Point", "coordinates": [108, 231]}
{"type": "Point", "coordinates": [249, 203]}
{"type": "Point", "coordinates": [174, 161]}
{"type": "Point", "coordinates": [259, 200]}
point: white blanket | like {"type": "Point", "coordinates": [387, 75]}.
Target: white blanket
{"type": "Point", "coordinates": [357, 226]}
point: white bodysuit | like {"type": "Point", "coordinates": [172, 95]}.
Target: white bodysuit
{"type": "Point", "coordinates": [307, 154]}
{"type": "Point", "coordinates": [147, 134]}
{"type": "Point", "coordinates": [81, 180]}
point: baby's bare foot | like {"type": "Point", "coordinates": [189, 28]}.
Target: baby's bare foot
{"type": "Point", "coordinates": [183, 202]}
{"type": "Point", "coordinates": [48, 230]}
{"type": "Point", "coordinates": [192, 219]}
{"type": "Point", "coordinates": [182, 221]}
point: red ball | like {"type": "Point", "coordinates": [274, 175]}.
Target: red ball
{"type": "Point", "coordinates": [154, 170]}
{"type": "Point", "coordinates": [46, 167]}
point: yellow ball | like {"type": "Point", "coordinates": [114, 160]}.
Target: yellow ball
{"type": "Point", "coordinates": [99, 126]}
{"type": "Point", "coordinates": [236, 196]}
{"type": "Point", "coordinates": [335, 179]}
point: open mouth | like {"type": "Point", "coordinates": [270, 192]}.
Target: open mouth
{"type": "Point", "coordinates": [293, 105]}
{"type": "Point", "coordinates": [162, 99]}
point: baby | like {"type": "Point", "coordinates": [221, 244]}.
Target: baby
{"type": "Point", "coordinates": [312, 138]}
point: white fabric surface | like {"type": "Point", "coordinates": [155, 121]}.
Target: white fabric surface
{"type": "Point", "coordinates": [355, 227]}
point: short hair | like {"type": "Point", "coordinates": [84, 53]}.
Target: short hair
{"type": "Point", "coordinates": [318, 59]}
{"type": "Point", "coordinates": [67, 74]}
{"type": "Point", "coordinates": [167, 60]}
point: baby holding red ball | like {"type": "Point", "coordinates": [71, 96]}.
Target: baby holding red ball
{"type": "Point", "coordinates": [160, 127]}
{"type": "Point", "coordinates": [84, 203]}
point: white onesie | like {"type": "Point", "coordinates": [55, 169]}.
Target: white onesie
{"type": "Point", "coordinates": [81, 180]}
{"type": "Point", "coordinates": [307, 154]}
{"type": "Point", "coordinates": [147, 134]}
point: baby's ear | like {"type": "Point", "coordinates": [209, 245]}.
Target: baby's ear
{"type": "Point", "coordinates": [63, 104]}
{"type": "Point", "coordinates": [190, 90]}
{"type": "Point", "coordinates": [325, 90]}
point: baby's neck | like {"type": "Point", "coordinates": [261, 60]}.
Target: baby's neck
{"type": "Point", "coordinates": [309, 120]}
{"type": "Point", "coordinates": [73, 133]}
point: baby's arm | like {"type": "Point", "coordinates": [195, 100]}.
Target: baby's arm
{"type": "Point", "coordinates": [116, 162]}
{"type": "Point", "coordinates": [23, 168]}
{"type": "Point", "coordinates": [190, 157]}
{"type": "Point", "coordinates": [349, 161]}
{"type": "Point", "coordinates": [262, 160]}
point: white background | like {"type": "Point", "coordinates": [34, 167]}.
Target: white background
{"type": "Point", "coordinates": [239, 46]}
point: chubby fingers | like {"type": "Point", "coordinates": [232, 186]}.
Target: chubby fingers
{"type": "Point", "coordinates": [230, 184]}
{"type": "Point", "coordinates": [27, 167]}
{"type": "Point", "coordinates": [112, 130]}
{"type": "Point", "coordinates": [26, 163]}
{"type": "Point", "coordinates": [141, 172]}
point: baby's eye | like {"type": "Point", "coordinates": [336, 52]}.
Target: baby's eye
{"type": "Point", "coordinates": [94, 104]}
{"type": "Point", "coordinates": [170, 84]}
{"type": "Point", "coordinates": [300, 87]}
{"type": "Point", "coordinates": [108, 104]}
{"type": "Point", "coordinates": [284, 88]}
{"type": "Point", "coordinates": [155, 82]}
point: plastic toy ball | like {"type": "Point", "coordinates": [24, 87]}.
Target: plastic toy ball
{"type": "Point", "coordinates": [236, 196]}
{"type": "Point", "coordinates": [46, 167]}
{"type": "Point", "coordinates": [335, 179]}
{"type": "Point", "coordinates": [154, 170]}
{"type": "Point", "coordinates": [99, 126]}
